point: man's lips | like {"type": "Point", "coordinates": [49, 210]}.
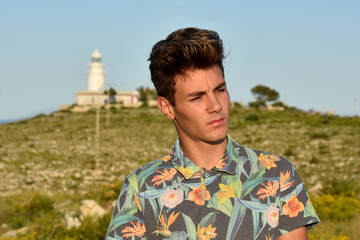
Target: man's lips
{"type": "Point", "coordinates": [216, 122]}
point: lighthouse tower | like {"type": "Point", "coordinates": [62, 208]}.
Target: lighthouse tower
{"type": "Point", "coordinates": [96, 73]}
{"type": "Point", "coordinates": [94, 96]}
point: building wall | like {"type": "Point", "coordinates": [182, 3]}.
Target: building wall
{"type": "Point", "coordinates": [129, 99]}
{"type": "Point", "coordinates": [90, 98]}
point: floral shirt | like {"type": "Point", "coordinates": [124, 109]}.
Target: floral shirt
{"type": "Point", "coordinates": [249, 194]}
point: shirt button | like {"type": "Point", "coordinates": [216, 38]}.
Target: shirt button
{"type": "Point", "coordinates": [206, 175]}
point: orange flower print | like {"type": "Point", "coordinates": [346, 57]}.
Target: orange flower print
{"type": "Point", "coordinates": [164, 230]}
{"type": "Point", "coordinates": [285, 181]}
{"type": "Point", "coordinates": [293, 206]}
{"type": "Point", "coordinates": [269, 190]}
{"type": "Point", "coordinates": [268, 237]}
{"type": "Point", "coordinates": [206, 233]}
{"type": "Point", "coordinates": [137, 230]}
{"type": "Point", "coordinates": [197, 195]}
{"type": "Point", "coordinates": [164, 175]}
{"type": "Point", "coordinates": [268, 160]}
{"type": "Point", "coordinates": [136, 198]}
{"type": "Point", "coordinates": [221, 163]}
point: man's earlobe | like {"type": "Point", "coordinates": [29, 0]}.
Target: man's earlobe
{"type": "Point", "coordinates": [166, 108]}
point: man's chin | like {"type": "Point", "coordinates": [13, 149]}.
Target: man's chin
{"type": "Point", "coordinates": [217, 139]}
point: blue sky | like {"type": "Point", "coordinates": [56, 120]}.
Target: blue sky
{"type": "Point", "coordinates": [309, 51]}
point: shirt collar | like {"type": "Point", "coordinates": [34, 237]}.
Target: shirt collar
{"type": "Point", "coordinates": [188, 169]}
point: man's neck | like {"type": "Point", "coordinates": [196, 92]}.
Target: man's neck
{"type": "Point", "coordinates": [203, 154]}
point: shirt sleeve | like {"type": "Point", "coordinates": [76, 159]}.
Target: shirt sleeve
{"type": "Point", "coordinates": [127, 219]}
{"type": "Point", "coordinates": [296, 209]}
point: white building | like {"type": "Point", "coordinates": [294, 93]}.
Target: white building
{"type": "Point", "coordinates": [95, 95]}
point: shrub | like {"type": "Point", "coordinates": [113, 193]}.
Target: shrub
{"type": "Point", "coordinates": [336, 207]}
{"type": "Point", "coordinates": [113, 109]}
{"type": "Point", "coordinates": [340, 187]}
{"type": "Point", "coordinates": [278, 104]}
{"type": "Point", "coordinates": [252, 117]}
{"type": "Point", "coordinates": [319, 136]}
{"type": "Point", "coordinates": [289, 153]}
{"type": "Point", "coordinates": [29, 209]}
{"type": "Point", "coordinates": [257, 104]}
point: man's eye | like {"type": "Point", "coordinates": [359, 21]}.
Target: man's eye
{"type": "Point", "coordinates": [194, 99]}
{"type": "Point", "coordinates": [221, 90]}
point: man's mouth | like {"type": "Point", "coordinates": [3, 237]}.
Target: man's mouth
{"type": "Point", "coordinates": [216, 122]}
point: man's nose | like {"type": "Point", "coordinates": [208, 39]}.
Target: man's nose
{"type": "Point", "coordinates": [213, 104]}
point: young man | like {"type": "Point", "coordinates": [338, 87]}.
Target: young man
{"type": "Point", "coordinates": [208, 186]}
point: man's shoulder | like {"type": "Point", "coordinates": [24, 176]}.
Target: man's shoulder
{"type": "Point", "coordinates": [151, 167]}
{"type": "Point", "coordinates": [264, 158]}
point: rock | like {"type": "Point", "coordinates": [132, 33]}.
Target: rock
{"type": "Point", "coordinates": [315, 190]}
{"type": "Point", "coordinates": [72, 221]}
{"type": "Point", "coordinates": [113, 203]}
{"type": "Point", "coordinates": [91, 208]}
{"type": "Point", "coordinates": [29, 181]}
{"type": "Point", "coordinates": [15, 233]}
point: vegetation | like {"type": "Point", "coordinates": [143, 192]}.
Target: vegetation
{"type": "Point", "coordinates": [47, 165]}
{"type": "Point", "coordinates": [264, 94]}
{"type": "Point", "coordinates": [146, 94]}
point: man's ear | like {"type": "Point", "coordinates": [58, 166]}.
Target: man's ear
{"type": "Point", "coordinates": [166, 107]}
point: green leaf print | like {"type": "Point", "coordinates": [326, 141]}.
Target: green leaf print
{"type": "Point", "coordinates": [122, 219]}
{"type": "Point", "coordinates": [208, 219]}
{"type": "Point", "coordinates": [253, 160]}
{"type": "Point", "coordinates": [236, 219]}
{"type": "Point", "coordinates": [225, 207]}
{"type": "Point", "coordinates": [190, 227]}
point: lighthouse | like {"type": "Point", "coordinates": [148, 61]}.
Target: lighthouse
{"type": "Point", "coordinates": [96, 73]}
{"type": "Point", "coordinates": [94, 96]}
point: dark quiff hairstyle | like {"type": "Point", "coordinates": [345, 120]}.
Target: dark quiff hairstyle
{"type": "Point", "coordinates": [183, 50]}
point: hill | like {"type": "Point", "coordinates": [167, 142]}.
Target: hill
{"type": "Point", "coordinates": [53, 156]}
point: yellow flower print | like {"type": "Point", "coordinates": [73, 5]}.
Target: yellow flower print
{"type": "Point", "coordinates": [166, 158]}
{"type": "Point", "coordinates": [187, 172]}
{"type": "Point", "coordinates": [206, 233]}
{"type": "Point", "coordinates": [268, 160]}
{"type": "Point", "coordinates": [226, 192]}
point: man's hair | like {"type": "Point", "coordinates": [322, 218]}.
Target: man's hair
{"type": "Point", "coordinates": [183, 50]}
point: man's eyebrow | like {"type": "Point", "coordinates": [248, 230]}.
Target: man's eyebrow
{"type": "Point", "coordinates": [196, 94]}
{"type": "Point", "coordinates": [200, 93]}
{"type": "Point", "coordinates": [220, 85]}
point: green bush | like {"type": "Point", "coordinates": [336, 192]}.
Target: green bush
{"type": "Point", "coordinates": [252, 117]}
{"type": "Point", "coordinates": [319, 136]}
{"type": "Point", "coordinates": [26, 210]}
{"type": "Point", "coordinates": [278, 104]}
{"type": "Point", "coordinates": [257, 104]}
{"type": "Point", "coordinates": [340, 187]}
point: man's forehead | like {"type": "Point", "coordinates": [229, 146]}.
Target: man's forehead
{"type": "Point", "coordinates": [199, 79]}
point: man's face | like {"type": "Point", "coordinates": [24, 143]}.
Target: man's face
{"type": "Point", "coordinates": [201, 111]}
